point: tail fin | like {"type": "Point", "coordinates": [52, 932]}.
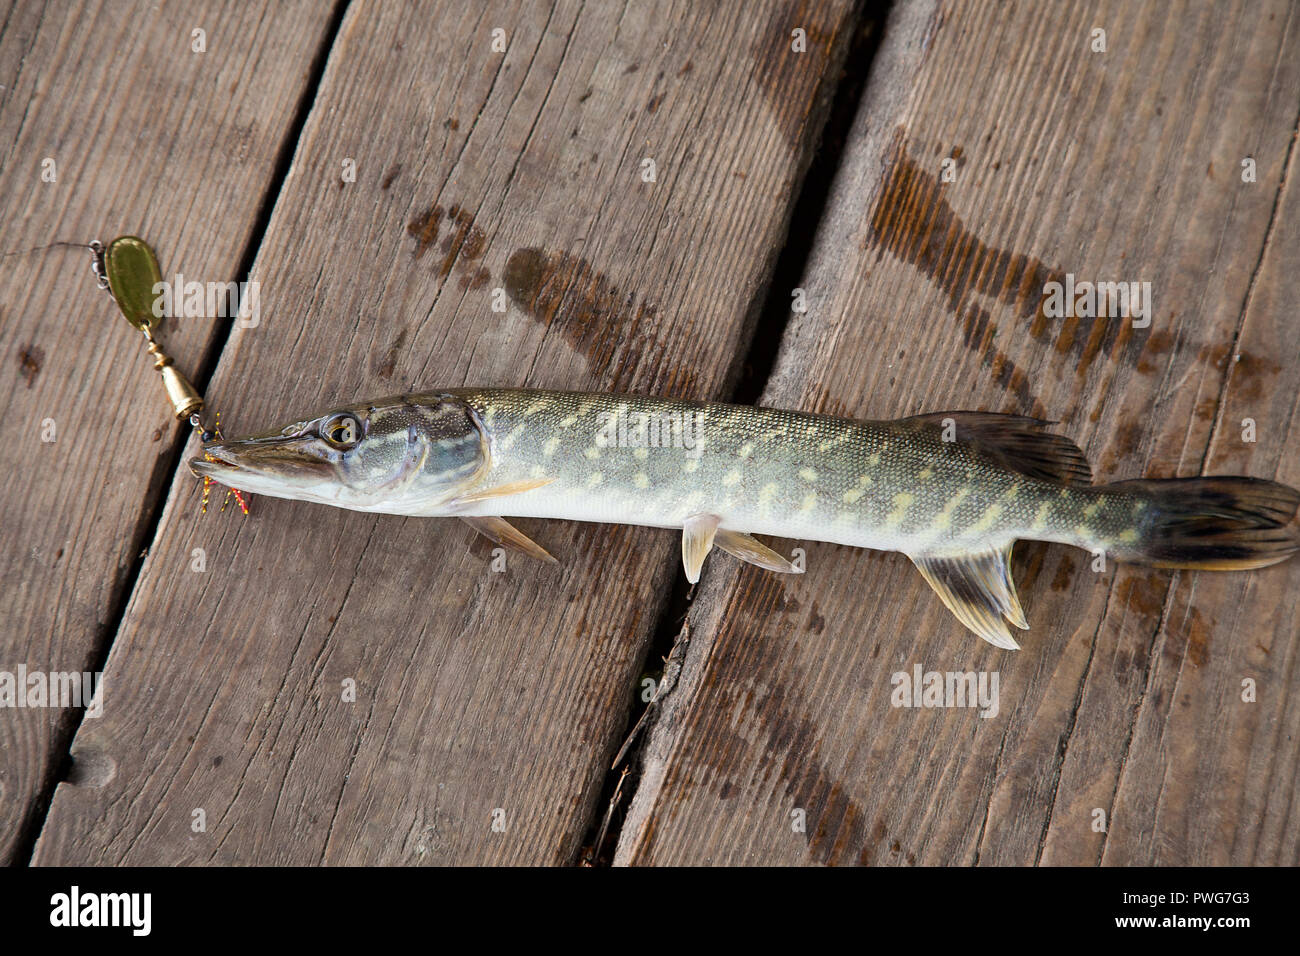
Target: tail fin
{"type": "Point", "coordinates": [1216, 524]}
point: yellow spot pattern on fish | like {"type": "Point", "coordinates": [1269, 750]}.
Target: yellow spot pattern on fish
{"type": "Point", "coordinates": [902, 501]}
{"type": "Point", "coordinates": [990, 515]}
{"type": "Point", "coordinates": [944, 519]}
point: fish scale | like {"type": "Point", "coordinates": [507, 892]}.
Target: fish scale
{"type": "Point", "coordinates": [952, 490]}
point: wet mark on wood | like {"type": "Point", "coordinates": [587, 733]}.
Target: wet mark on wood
{"type": "Point", "coordinates": [476, 279]}
{"type": "Point", "coordinates": [30, 360]}
{"type": "Point", "coordinates": [462, 243]}
{"type": "Point", "coordinates": [1198, 638]}
{"type": "Point", "coordinates": [913, 221]}
{"type": "Point", "coordinates": [1064, 573]}
{"type": "Point", "coordinates": [595, 316]}
{"type": "Point", "coordinates": [424, 228]}
{"type": "Point", "coordinates": [384, 368]}
{"type": "Point", "coordinates": [789, 79]}
{"type": "Point", "coordinates": [1252, 375]}
{"type": "Point", "coordinates": [464, 240]}
{"type": "Point", "coordinates": [837, 825]}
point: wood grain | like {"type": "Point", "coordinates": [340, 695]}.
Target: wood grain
{"type": "Point", "coordinates": [925, 294]}
{"type": "Point", "coordinates": [481, 697]}
{"type": "Point", "coordinates": [144, 136]}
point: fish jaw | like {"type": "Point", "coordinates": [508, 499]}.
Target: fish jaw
{"type": "Point", "coordinates": [280, 467]}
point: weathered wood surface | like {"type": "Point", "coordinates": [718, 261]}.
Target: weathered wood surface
{"type": "Point", "coordinates": [481, 697]}
{"type": "Point", "coordinates": [145, 136]}
{"type": "Point", "coordinates": [926, 295]}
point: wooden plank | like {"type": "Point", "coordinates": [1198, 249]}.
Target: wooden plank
{"type": "Point", "coordinates": [1210, 777]}
{"type": "Point", "coordinates": [481, 697]}
{"type": "Point", "coordinates": [925, 295]}
{"type": "Point", "coordinates": [141, 134]}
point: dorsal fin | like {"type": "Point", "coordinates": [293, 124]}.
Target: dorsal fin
{"type": "Point", "coordinates": [977, 587]}
{"type": "Point", "coordinates": [1016, 442]}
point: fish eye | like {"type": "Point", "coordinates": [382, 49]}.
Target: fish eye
{"type": "Point", "coordinates": [342, 430]}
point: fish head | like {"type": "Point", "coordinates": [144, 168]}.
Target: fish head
{"type": "Point", "coordinates": [401, 455]}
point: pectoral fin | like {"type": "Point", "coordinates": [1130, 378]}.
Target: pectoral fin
{"type": "Point", "coordinates": [979, 590]}
{"type": "Point", "coordinates": [740, 545]}
{"type": "Point", "coordinates": [697, 541]}
{"type": "Point", "coordinates": [508, 536]}
{"type": "Point", "coordinates": [501, 491]}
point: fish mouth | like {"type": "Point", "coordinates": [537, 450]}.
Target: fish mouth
{"type": "Point", "coordinates": [244, 462]}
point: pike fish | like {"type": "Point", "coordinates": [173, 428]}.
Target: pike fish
{"type": "Point", "coordinates": [953, 491]}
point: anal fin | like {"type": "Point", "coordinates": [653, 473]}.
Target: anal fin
{"type": "Point", "coordinates": [977, 587]}
{"type": "Point", "coordinates": [748, 549]}
{"type": "Point", "coordinates": [508, 536]}
{"type": "Point", "coordinates": [697, 540]}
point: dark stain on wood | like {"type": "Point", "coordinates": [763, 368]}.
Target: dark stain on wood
{"type": "Point", "coordinates": [818, 400]}
{"type": "Point", "coordinates": [30, 360]}
{"type": "Point", "coordinates": [1252, 375]}
{"type": "Point", "coordinates": [384, 367]}
{"type": "Point", "coordinates": [1064, 573]}
{"type": "Point", "coordinates": [476, 279]}
{"type": "Point", "coordinates": [788, 79]}
{"type": "Point", "coordinates": [836, 825]}
{"type": "Point", "coordinates": [464, 240]}
{"type": "Point", "coordinates": [1143, 595]}
{"type": "Point", "coordinates": [566, 293]}
{"type": "Point", "coordinates": [1198, 638]}
{"type": "Point", "coordinates": [653, 105]}
{"type": "Point", "coordinates": [913, 221]}
{"type": "Point", "coordinates": [1158, 343]}
{"type": "Point", "coordinates": [424, 228]}
{"type": "Point", "coordinates": [391, 175]}
{"type": "Point", "coordinates": [1121, 451]}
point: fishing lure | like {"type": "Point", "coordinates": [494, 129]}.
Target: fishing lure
{"type": "Point", "coordinates": [128, 270]}
{"type": "Point", "coordinates": [952, 490]}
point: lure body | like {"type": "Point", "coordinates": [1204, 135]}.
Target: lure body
{"type": "Point", "coordinates": [953, 490]}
